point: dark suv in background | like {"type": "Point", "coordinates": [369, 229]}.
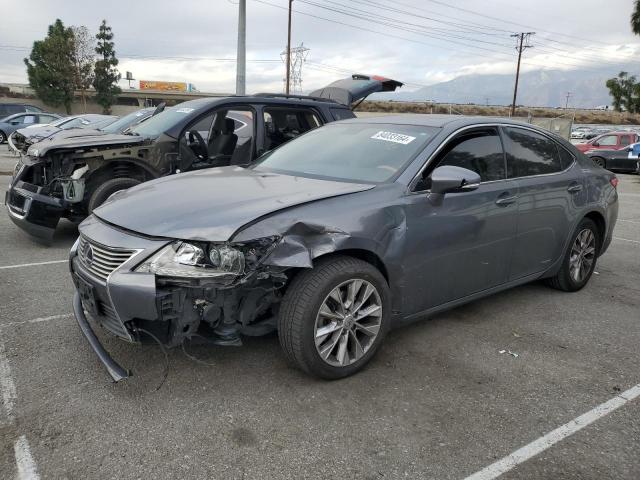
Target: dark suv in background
{"type": "Point", "coordinates": [70, 177]}
{"type": "Point", "coordinates": [11, 108]}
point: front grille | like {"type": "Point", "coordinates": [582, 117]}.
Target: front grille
{"type": "Point", "coordinates": [110, 321]}
{"type": "Point", "coordinates": [99, 259]}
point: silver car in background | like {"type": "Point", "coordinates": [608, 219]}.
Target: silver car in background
{"type": "Point", "coordinates": [341, 234]}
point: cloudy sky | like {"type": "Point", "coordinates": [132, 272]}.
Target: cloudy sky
{"type": "Point", "coordinates": [420, 42]}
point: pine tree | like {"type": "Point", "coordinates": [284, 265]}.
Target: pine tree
{"type": "Point", "coordinates": [106, 75]}
{"type": "Point", "coordinates": [50, 67]}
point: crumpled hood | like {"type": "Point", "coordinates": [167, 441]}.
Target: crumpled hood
{"type": "Point", "coordinates": [212, 204]}
{"type": "Point", "coordinates": [76, 138]}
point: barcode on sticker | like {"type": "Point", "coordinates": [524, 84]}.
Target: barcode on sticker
{"type": "Point", "coordinates": [393, 137]}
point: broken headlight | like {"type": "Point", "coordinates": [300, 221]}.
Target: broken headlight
{"type": "Point", "coordinates": [194, 260]}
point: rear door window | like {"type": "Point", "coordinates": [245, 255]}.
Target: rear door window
{"type": "Point", "coordinates": [530, 153]}
{"type": "Point", "coordinates": [625, 140]}
{"type": "Point", "coordinates": [283, 124]}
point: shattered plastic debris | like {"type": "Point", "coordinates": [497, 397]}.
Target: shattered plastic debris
{"type": "Point", "coordinates": [595, 272]}
{"type": "Point", "coordinates": [509, 352]}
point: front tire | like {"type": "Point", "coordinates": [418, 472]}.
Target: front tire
{"type": "Point", "coordinates": [108, 188]}
{"type": "Point", "coordinates": [3, 137]}
{"type": "Point", "coordinates": [334, 316]}
{"type": "Point", "coordinates": [599, 161]}
{"type": "Point", "coordinates": [580, 260]}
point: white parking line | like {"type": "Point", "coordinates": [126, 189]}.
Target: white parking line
{"type": "Point", "coordinates": [6, 385]}
{"type": "Point", "coordinates": [24, 460]}
{"type": "Point", "coordinates": [33, 264]}
{"type": "Point", "coordinates": [537, 446]}
{"type": "Point", "coordinates": [36, 320]}
{"type": "Point", "coordinates": [626, 240]}
{"type": "Point", "coordinates": [628, 221]}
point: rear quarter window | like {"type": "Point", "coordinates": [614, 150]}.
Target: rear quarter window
{"type": "Point", "coordinates": [342, 113]}
{"type": "Point", "coordinates": [566, 158]}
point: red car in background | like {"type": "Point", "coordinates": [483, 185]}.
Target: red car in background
{"type": "Point", "coordinates": [609, 141]}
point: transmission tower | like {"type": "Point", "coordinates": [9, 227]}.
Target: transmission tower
{"type": "Point", "coordinates": [297, 57]}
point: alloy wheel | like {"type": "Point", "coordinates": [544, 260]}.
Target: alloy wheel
{"type": "Point", "coordinates": [583, 254]}
{"type": "Point", "coordinates": [348, 322]}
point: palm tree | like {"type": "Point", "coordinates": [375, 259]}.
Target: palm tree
{"type": "Point", "coordinates": [635, 18]}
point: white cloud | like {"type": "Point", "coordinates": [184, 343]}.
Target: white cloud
{"type": "Point", "coordinates": [194, 28]}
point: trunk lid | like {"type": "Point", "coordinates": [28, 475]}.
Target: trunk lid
{"type": "Point", "coordinates": [356, 88]}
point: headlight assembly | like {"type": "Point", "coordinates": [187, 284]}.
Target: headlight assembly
{"type": "Point", "coordinates": [193, 260]}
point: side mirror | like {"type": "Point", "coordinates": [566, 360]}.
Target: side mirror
{"type": "Point", "coordinates": [595, 144]}
{"type": "Point", "coordinates": [450, 179]}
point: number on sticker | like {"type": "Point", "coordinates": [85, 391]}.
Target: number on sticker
{"type": "Point", "coordinates": [393, 137]}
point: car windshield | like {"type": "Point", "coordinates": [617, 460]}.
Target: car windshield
{"type": "Point", "coordinates": [162, 122]}
{"type": "Point", "coordinates": [126, 121]}
{"type": "Point", "coordinates": [61, 121]}
{"type": "Point", "coordinates": [360, 152]}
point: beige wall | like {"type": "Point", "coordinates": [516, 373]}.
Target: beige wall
{"type": "Point", "coordinates": [76, 107]}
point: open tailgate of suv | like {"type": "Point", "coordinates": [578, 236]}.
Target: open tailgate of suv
{"type": "Point", "coordinates": [358, 87]}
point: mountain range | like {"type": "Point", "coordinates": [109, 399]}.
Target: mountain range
{"type": "Point", "coordinates": [540, 88]}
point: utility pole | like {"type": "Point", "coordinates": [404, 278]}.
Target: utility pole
{"type": "Point", "coordinates": [241, 63]}
{"type": "Point", "coordinates": [522, 43]}
{"type": "Point", "coordinates": [566, 103]}
{"type": "Point", "coordinates": [288, 50]}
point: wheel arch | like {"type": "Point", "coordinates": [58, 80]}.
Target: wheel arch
{"type": "Point", "coordinates": [361, 254]}
{"type": "Point", "coordinates": [601, 224]}
{"type": "Point", "coordinates": [125, 167]}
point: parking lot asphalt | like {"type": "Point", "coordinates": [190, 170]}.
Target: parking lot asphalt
{"type": "Point", "coordinates": [438, 401]}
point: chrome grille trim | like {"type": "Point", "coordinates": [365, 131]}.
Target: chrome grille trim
{"type": "Point", "coordinates": [104, 259]}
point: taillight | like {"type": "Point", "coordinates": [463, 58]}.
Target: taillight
{"type": "Point", "coordinates": [614, 182]}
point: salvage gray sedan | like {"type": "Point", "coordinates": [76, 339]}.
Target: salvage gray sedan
{"type": "Point", "coordinates": [341, 234]}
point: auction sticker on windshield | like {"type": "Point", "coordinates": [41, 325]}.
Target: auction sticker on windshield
{"type": "Point", "coordinates": [184, 110]}
{"type": "Point", "coordinates": [393, 137]}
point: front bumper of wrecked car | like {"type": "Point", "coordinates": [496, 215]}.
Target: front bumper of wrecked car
{"type": "Point", "coordinates": [29, 208]}
{"type": "Point", "coordinates": [129, 304]}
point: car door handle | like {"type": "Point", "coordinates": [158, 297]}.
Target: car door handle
{"type": "Point", "coordinates": [574, 188]}
{"type": "Point", "coordinates": [506, 200]}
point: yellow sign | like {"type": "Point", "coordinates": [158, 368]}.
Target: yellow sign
{"type": "Point", "coordinates": [163, 86]}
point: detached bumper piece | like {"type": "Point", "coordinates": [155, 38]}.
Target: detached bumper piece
{"type": "Point", "coordinates": [115, 370]}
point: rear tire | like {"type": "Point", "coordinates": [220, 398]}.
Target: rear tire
{"type": "Point", "coordinates": [108, 188]}
{"type": "Point", "coordinates": [3, 137]}
{"type": "Point", "coordinates": [599, 161]}
{"type": "Point", "coordinates": [580, 260]}
{"type": "Point", "coordinates": [355, 337]}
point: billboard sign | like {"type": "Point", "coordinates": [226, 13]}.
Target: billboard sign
{"type": "Point", "coordinates": [163, 86]}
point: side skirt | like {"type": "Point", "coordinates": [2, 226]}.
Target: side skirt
{"type": "Point", "coordinates": [469, 298]}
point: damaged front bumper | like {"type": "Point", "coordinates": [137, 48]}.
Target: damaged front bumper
{"type": "Point", "coordinates": [112, 293]}
{"type": "Point", "coordinates": [29, 208]}
{"type": "Point", "coordinates": [115, 370]}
